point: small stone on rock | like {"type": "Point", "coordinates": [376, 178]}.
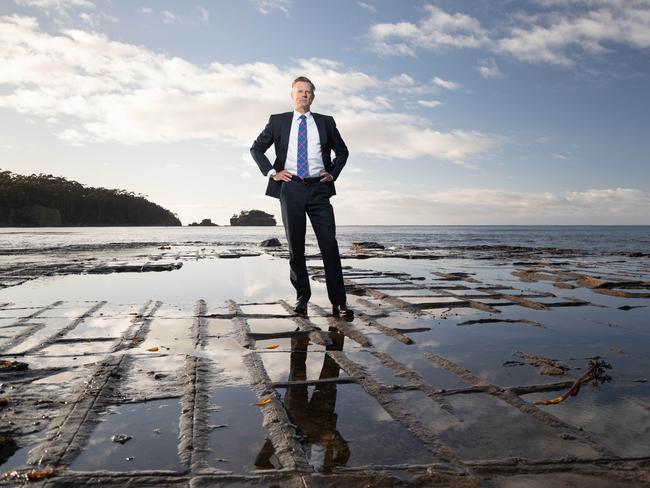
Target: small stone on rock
{"type": "Point", "coordinates": [273, 242]}
{"type": "Point", "coordinates": [121, 438]}
{"type": "Point", "coordinates": [360, 246]}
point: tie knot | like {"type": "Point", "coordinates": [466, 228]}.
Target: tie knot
{"type": "Point", "coordinates": [303, 117]}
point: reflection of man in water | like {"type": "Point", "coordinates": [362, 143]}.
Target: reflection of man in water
{"type": "Point", "coordinates": [302, 177]}
{"type": "Point", "coordinates": [315, 417]}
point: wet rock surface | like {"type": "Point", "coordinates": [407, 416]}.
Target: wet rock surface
{"type": "Point", "coordinates": [442, 378]}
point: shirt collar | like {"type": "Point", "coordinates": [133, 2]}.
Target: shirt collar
{"type": "Point", "coordinates": [296, 115]}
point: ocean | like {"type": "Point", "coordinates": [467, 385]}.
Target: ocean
{"type": "Point", "coordinates": [598, 239]}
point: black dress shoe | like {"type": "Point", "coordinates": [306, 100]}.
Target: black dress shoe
{"type": "Point", "coordinates": [301, 307]}
{"type": "Point", "coordinates": [342, 311]}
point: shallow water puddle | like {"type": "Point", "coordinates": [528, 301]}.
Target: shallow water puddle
{"type": "Point", "coordinates": [376, 369]}
{"type": "Point", "coordinates": [219, 327]}
{"type": "Point", "coordinates": [265, 326]}
{"type": "Point", "coordinates": [342, 426]}
{"type": "Point", "coordinates": [619, 418]}
{"type": "Point", "coordinates": [484, 427]}
{"type": "Point", "coordinates": [153, 427]}
{"type": "Point", "coordinates": [227, 356]}
{"type": "Point", "coordinates": [169, 336]}
{"type": "Point", "coordinates": [237, 441]}
{"type": "Point", "coordinates": [266, 309]}
{"type": "Point", "coordinates": [101, 327]}
{"type": "Point", "coordinates": [12, 456]}
{"type": "Point", "coordinates": [293, 366]}
{"type": "Point", "coordinates": [286, 344]}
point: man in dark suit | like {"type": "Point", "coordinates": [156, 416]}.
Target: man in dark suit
{"type": "Point", "coordinates": [302, 177]}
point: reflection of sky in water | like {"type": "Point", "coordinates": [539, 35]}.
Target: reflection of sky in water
{"type": "Point", "coordinates": [100, 327]}
{"type": "Point", "coordinates": [283, 345]}
{"type": "Point", "coordinates": [252, 278]}
{"type": "Point", "coordinates": [227, 356]}
{"type": "Point", "coordinates": [617, 412]}
{"type": "Point", "coordinates": [377, 370]}
{"type": "Point", "coordinates": [40, 334]}
{"type": "Point", "coordinates": [491, 429]}
{"type": "Point", "coordinates": [359, 423]}
{"type": "Point", "coordinates": [619, 418]}
{"type": "Point", "coordinates": [150, 449]}
{"type": "Point", "coordinates": [20, 457]}
{"type": "Point", "coordinates": [235, 446]}
{"type": "Point", "coordinates": [170, 336]}
{"type": "Point", "coordinates": [267, 326]}
{"type": "Point", "coordinates": [277, 364]}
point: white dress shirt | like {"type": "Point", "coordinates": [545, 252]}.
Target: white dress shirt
{"type": "Point", "coordinates": [314, 154]}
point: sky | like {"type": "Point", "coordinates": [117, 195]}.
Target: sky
{"type": "Point", "coordinates": [454, 112]}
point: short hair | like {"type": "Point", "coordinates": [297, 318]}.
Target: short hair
{"type": "Point", "coordinates": [304, 79]}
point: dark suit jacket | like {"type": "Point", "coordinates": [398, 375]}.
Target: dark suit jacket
{"type": "Point", "coordinates": [277, 133]}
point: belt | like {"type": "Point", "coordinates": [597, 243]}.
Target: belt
{"type": "Point", "coordinates": [306, 181]}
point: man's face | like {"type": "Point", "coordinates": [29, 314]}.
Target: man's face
{"type": "Point", "coordinates": [302, 96]}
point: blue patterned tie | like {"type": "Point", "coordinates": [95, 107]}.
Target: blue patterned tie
{"type": "Point", "coordinates": [303, 166]}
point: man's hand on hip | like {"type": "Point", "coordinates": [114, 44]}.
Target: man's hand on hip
{"type": "Point", "coordinates": [283, 175]}
{"type": "Point", "coordinates": [325, 177]}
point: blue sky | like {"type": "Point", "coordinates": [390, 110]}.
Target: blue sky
{"type": "Point", "coordinates": [463, 112]}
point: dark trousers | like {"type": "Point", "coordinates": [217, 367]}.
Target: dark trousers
{"type": "Point", "coordinates": [299, 200]}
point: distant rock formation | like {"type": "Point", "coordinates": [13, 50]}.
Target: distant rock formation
{"type": "Point", "coordinates": [205, 223]}
{"type": "Point", "coordinates": [50, 201]}
{"type": "Point", "coordinates": [252, 217]}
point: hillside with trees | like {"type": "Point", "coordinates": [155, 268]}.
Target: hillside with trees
{"type": "Point", "coordinates": [46, 200]}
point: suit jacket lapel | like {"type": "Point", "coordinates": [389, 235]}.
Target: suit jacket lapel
{"type": "Point", "coordinates": [285, 130]}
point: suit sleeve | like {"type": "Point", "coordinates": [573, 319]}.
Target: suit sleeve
{"type": "Point", "coordinates": [340, 151]}
{"type": "Point", "coordinates": [259, 147]}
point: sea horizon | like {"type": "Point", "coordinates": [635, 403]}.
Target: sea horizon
{"type": "Point", "coordinates": [587, 238]}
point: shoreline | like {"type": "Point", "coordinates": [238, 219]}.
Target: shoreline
{"type": "Point", "coordinates": [413, 390]}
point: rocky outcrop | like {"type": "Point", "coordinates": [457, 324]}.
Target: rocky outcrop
{"type": "Point", "coordinates": [205, 223]}
{"type": "Point", "coordinates": [253, 218]}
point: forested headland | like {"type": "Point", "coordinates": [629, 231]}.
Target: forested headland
{"type": "Point", "coordinates": [41, 200]}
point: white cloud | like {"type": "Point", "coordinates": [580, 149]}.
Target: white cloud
{"type": "Point", "coordinates": [488, 68]}
{"type": "Point", "coordinates": [402, 136]}
{"type": "Point", "coordinates": [201, 14]}
{"type": "Point", "coordinates": [55, 4]}
{"type": "Point", "coordinates": [446, 84]}
{"type": "Point", "coordinates": [402, 80]}
{"type": "Point", "coordinates": [438, 29]}
{"type": "Point", "coordinates": [552, 37]}
{"type": "Point", "coordinates": [495, 206]}
{"type": "Point", "coordinates": [95, 20]}
{"type": "Point", "coordinates": [429, 103]}
{"type": "Point", "coordinates": [145, 10]}
{"type": "Point", "coordinates": [114, 91]}
{"type": "Point", "coordinates": [405, 84]}
{"type": "Point", "coordinates": [268, 6]}
{"type": "Point", "coordinates": [560, 35]}
{"type": "Point", "coordinates": [367, 6]}
{"type": "Point", "coordinates": [169, 18]}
